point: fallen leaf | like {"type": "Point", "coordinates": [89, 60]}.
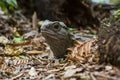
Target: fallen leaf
{"type": "Point", "coordinates": [108, 68]}
{"type": "Point", "coordinates": [50, 76]}
{"type": "Point", "coordinates": [13, 51]}
{"type": "Point", "coordinates": [32, 72]}
{"type": "Point", "coordinates": [35, 52]}
{"type": "Point", "coordinates": [69, 73]}
{"type": "Point", "coordinates": [4, 40]}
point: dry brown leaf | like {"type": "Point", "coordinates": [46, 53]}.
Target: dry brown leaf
{"type": "Point", "coordinates": [34, 21]}
{"type": "Point", "coordinates": [83, 51]}
{"type": "Point", "coordinates": [1, 60]}
{"type": "Point", "coordinates": [4, 40]}
{"type": "Point", "coordinates": [35, 52]}
{"type": "Point", "coordinates": [50, 76]}
{"type": "Point", "coordinates": [53, 70]}
{"type": "Point", "coordinates": [69, 73]}
{"type": "Point", "coordinates": [32, 72]}
{"type": "Point", "coordinates": [39, 43]}
{"type": "Point", "coordinates": [13, 51]}
{"type": "Point", "coordinates": [30, 34]}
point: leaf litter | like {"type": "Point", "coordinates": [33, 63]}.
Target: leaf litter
{"type": "Point", "coordinates": [29, 59]}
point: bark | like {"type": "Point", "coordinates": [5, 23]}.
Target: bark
{"type": "Point", "coordinates": [75, 13]}
{"type": "Point", "coordinates": [109, 41]}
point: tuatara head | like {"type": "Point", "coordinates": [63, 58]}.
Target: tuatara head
{"type": "Point", "coordinates": [57, 37]}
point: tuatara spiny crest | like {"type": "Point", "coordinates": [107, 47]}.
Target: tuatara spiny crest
{"type": "Point", "coordinates": [58, 37]}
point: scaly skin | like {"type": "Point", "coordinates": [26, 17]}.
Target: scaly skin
{"type": "Point", "coordinates": [57, 37]}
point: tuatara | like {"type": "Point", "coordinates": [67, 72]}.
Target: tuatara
{"type": "Point", "coordinates": [58, 37]}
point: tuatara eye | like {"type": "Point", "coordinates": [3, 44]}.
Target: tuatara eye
{"type": "Point", "coordinates": [56, 27]}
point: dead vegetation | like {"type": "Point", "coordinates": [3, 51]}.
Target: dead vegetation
{"type": "Point", "coordinates": [27, 57]}
{"type": "Point", "coordinates": [24, 53]}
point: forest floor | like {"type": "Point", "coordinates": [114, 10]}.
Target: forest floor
{"type": "Point", "coordinates": [24, 54]}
